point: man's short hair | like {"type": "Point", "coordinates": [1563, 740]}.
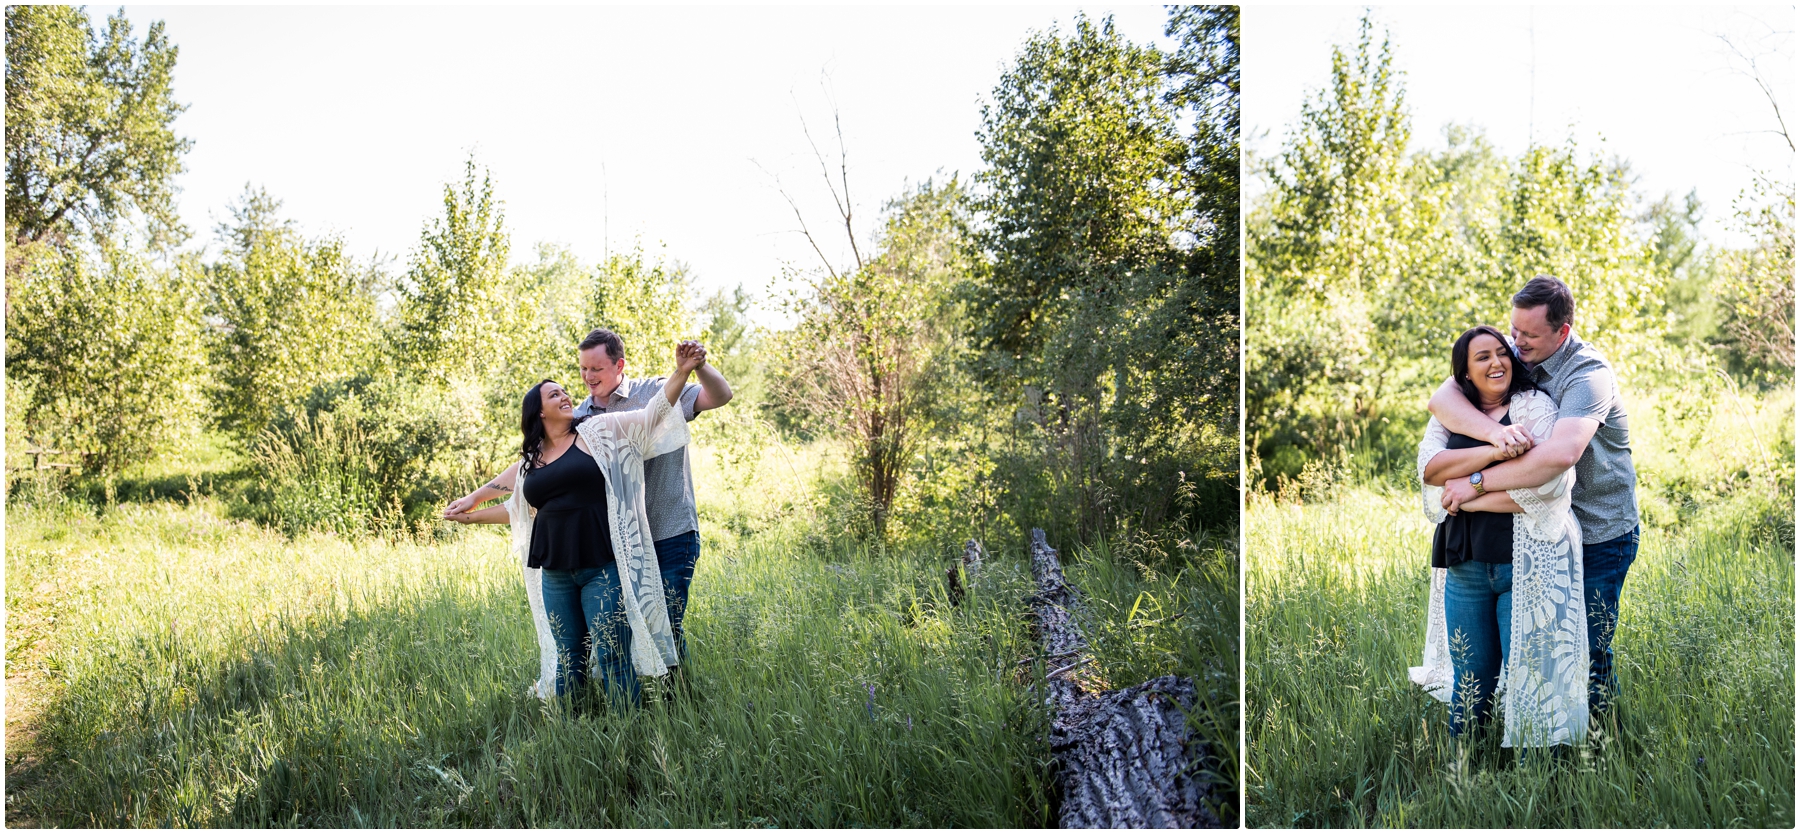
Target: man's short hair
{"type": "Point", "coordinates": [1545, 291]}
{"type": "Point", "coordinates": [615, 346]}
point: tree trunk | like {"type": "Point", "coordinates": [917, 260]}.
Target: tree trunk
{"type": "Point", "coordinates": [1127, 758]}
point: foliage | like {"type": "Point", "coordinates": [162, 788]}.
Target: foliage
{"type": "Point", "coordinates": [1755, 287]}
{"type": "Point", "coordinates": [108, 354]}
{"type": "Point", "coordinates": [863, 359]}
{"type": "Point", "coordinates": [1106, 318]}
{"type": "Point", "coordinates": [449, 294]}
{"type": "Point", "coordinates": [646, 303]}
{"type": "Point", "coordinates": [90, 136]}
{"type": "Point", "coordinates": [285, 315]}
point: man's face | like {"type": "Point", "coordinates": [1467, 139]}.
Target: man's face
{"type": "Point", "coordinates": [600, 372]}
{"type": "Point", "coordinates": [1533, 335]}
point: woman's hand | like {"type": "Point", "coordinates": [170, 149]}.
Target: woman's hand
{"type": "Point", "coordinates": [1514, 445]}
{"type": "Point", "coordinates": [689, 356]}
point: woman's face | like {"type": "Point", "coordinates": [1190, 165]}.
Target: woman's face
{"type": "Point", "coordinates": [557, 404]}
{"type": "Point", "coordinates": [1490, 366]}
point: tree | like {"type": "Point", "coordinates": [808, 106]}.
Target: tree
{"type": "Point", "coordinates": [90, 136]}
{"type": "Point", "coordinates": [449, 294]}
{"type": "Point", "coordinates": [1109, 293]}
{"type": "Point", "coordinates": [285, 315]}
{"type": "Point", "coordinates": [110, 355]}
{"type": "Point", "coordinates": [860, 361]}
{"type": "Point", "coordinates": [1755, 286]}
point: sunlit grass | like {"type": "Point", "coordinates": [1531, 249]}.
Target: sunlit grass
{"type": "Point", "coordinates": [1339, 737]}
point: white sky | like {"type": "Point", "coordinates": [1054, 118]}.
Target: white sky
{"type": "Point", "coordinates": [356, 117]}
{"type": "Point", "coordinates": [1654, 82]}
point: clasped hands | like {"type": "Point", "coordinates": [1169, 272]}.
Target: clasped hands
{"type": "Point", "coordinates": [1507, 443]}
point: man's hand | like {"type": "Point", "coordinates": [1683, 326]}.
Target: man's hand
{"type": "Point", "coordinates": [1456, 491]}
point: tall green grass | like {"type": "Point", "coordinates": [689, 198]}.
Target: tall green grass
{"type": "Point", "coordinates": [1339, 737]}
{"type": "Point", "coordinates": [209, 672]}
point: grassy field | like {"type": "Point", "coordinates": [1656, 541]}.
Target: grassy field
{"type": "Point", "coordinates": [169, 665]}
{"type": "Point", "coordinates": [1339, 737]}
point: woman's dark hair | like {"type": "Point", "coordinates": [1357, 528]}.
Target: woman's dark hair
{"type": "Point", "coordinates": [531, 425]}
{"type": "Point", "coordinates": [1459, 364]}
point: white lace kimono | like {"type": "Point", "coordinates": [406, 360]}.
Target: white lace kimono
{"type": "Point", "coordinates": [1543, 684]}
{"type": "Point", "coordinates": [620, 443]}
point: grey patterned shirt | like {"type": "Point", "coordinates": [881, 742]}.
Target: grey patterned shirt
{"type": "Point", "coordinates": [668, 487]}
{"type": "Point", "coordinates": [1584, 385]}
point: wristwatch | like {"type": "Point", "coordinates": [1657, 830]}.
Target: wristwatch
{"type": "Point", "coordinates": [1475, 481]}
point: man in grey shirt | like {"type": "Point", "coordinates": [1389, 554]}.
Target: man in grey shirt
{"type": "Point", "coordinates": [668, 485]}
{"type": "Point", "coordinates": [1591, 434]}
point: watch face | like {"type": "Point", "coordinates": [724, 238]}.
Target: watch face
{"type": "Point", "coordinates": [1475, 479]}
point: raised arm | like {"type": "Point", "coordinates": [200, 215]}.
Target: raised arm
{"type": "Point", "coordinates": [500, 487]}
{"type": "Point", "coordinates": [688, 356]}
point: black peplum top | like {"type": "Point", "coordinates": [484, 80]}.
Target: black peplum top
{"type": "Point", "coordinates": [571, 531]}
{"type": "Point", "coordinates": [1473, 536]}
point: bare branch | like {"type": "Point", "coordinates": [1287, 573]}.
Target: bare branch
{"type": "Point", "coordinates": [1755, 74]}
{"type": "Point", "coordinates": [800, 217]}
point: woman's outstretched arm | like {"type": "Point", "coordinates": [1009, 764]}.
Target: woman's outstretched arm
{"type": "Point", "coordinates": [500, 487]}
{"type": "Point", "coordinates": [492, 515]}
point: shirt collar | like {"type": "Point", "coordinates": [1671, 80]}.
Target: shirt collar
{"type": "Point", "coordinates": [619, 394]}
{"type": "Point", "coordinates": [1550, 366]}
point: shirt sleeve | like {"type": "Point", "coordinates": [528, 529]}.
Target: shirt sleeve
{"type": "Point", "coordinates": [1589, 393]}
{"type": "Point", "coordinates": [1436, 439]}
{"type": "Point", "coordinates": [690, 396]}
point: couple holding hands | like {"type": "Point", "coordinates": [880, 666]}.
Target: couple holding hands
{"type": "Point", "coordinates": [601, 504]}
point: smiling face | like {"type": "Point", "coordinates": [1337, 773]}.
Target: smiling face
{"type": "Point", "coordinates": [1490, 367]}
{"type": "Point", "coordinates": [1533, 335]}
{"type": "Point", "coordinates": [600, 372]}
{"type": "Point", "coordinates": [558, 407]}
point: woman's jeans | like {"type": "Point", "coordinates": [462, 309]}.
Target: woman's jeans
{"type": "Point", "coordinates": [1478, 618]}
{"type": "Point", "coordinates": [587, 615]}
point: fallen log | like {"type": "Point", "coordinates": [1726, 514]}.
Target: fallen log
{"type": "Point", "coordinates": [1127, 759]}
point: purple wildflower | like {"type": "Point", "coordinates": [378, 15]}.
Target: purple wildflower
{"type": "Point", "coordinates": [871, 702]}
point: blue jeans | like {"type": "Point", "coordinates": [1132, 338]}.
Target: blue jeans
{"type": "Point", "coordinates": [676, 556]}
{"type": "Point", "coordinates": [586, 610]}
{"type": "Point", "coordinates": [1478, 619]}
{"type": "Point", "coordinates": [1603, 568]}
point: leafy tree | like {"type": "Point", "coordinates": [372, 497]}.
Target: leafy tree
{"type": "Point", "coordinates": [646, 303]}
{"type": "Point", "coordinates": [1755, 287]}
{"type": "Point", "coordinates": [1108, 303]}
{"type": "Point", "coordinates": [89, 128]}
{"type": "Point", "coordinates": [285, 314]}
{"type": "Point", "coordinates": [110, 355]}
{"type": "Point", "coordinates": [449, 294]}
{"type": "Point", "coordinates": [860, 362]}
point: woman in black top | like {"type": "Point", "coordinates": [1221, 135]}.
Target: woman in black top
{"type": "Point", "coordinates": [1475, 545]}
{"type": "Point", "coordinates": [572, 540]}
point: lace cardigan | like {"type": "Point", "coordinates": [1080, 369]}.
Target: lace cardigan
{"type": "Point", "coordinates": [619, 443]}
{"type": "Point", "coordinates": [1543, 684]}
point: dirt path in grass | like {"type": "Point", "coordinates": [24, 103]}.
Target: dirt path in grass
{"type": "Point", "coordinates": [30, 622]}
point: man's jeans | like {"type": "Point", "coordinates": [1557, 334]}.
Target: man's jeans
{"type": "Point", "coordinates": [586, 613]}
{"type": "Point", "coordinates": [676, 556]}
{"type": "Point", "coordinates": [1603, 575]}
{"type": "Point", "coordinates": [1478, 619]}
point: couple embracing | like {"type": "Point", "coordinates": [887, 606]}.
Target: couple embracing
{"type": "Point", "coordinates": [1526, 470]}
{"type": "Point", "coordinates": [601, 504]}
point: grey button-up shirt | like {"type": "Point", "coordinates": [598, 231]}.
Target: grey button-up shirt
{"type": "Point", "coordinates": [1583, 384]}
{"type": "Point", "coordinates": [668, 487]}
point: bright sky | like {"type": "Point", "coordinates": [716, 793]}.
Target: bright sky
{"type": "Point", "coordinates": [1655, 82]}
{"type": "Point", "coordinates": [600, 125]}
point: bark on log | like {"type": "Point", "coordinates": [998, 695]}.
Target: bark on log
{"type": "Point", "coordinates": [1127, 759]}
